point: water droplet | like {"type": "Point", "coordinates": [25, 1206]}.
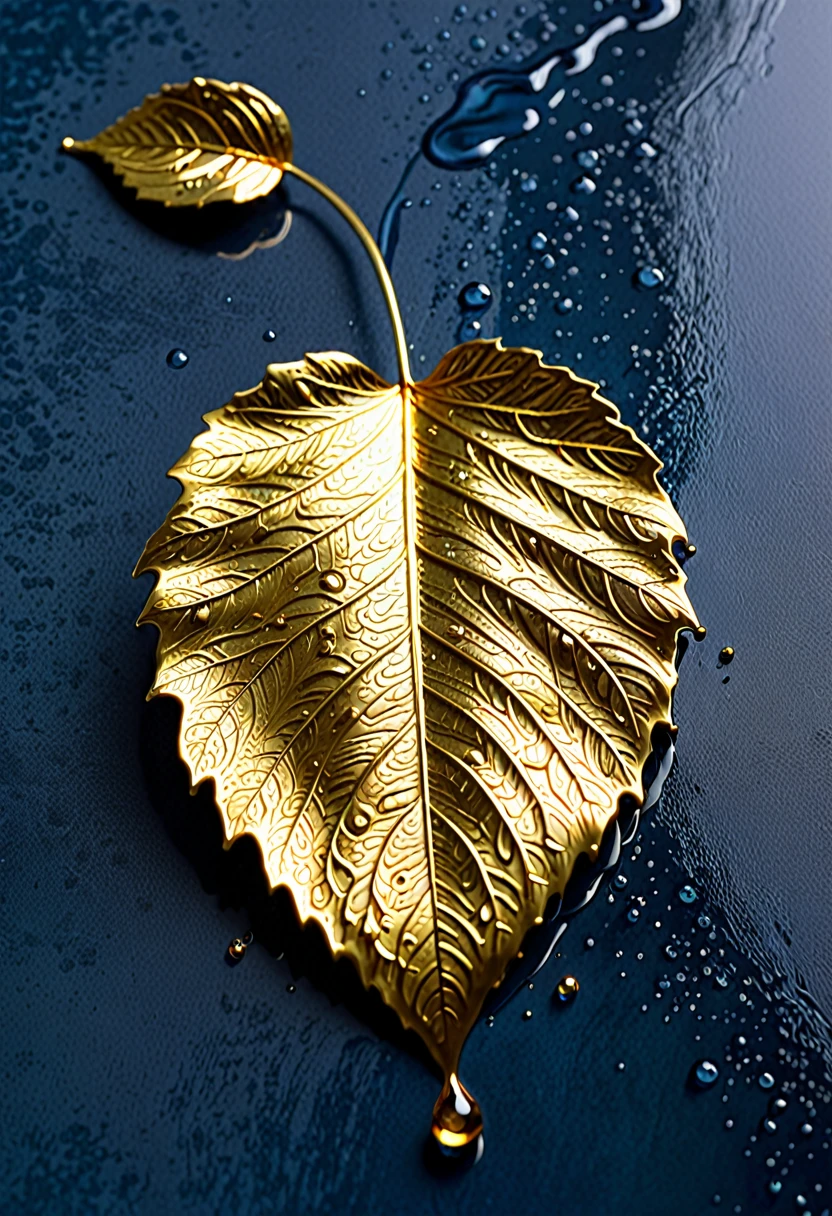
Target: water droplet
{"type": "Point", "coordinates": [475, 296]}
{"type": "Point", "coordinates": [726, 655]}
{"type": "Point", "coordinates": [547, 262]}
{"type": "Point", "coordinates": [705, 1074]}
{"type": "Point", "coordinates": [527, 1013]}
{"type": "Point", "coordinates": [333, 580]}
{"type": "Point", "coordinates": [775, 1186]}
{"type": "Point", "coordinates": [687, 895]}
{"type": "Point", "coordinates": [587, 158]}
{"type": "Point", "coordinates": [538, 241]}
{"type": "Point", "coordinates": [478, 43]}
{"type": "Point", "coordinates": [620, 882]}
{"type": "Point", "coordinates": [766, 1080]}
{"type": "Point", "coordinates": [457, 1119]}
{"type": "Point", "coordinates": [236, 950]}
{"type": "Point", "coordinates": [269, 335]}
{"type": "Point", "coordinates": [567, 989]}
{"type": "Point", "coordinates": [769, 1126]}
{"type": "Point", "coordinates": [589, 943]}
{"type": "Point", "coordinates": [806, 1129]}
{"type": "Point", "coordinates": [633, 915]}
{"type": "Point", "coordinates": [648, 277]}
{"type": "Point", "coordinates": [564, 306]}
{"type": "Point", "coordinates": [646, 151]}
{"type": "Point", "coordinates": [584, 185]}
{"type": "Point", "coordinates": [778, 1105]}
{"type": "Point", "coordinates": [176, 359]}
{"type": "Point", "coordinates": [703, 921]}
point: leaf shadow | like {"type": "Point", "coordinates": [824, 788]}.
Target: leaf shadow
{"type": "Point", "coordinates": [235, 877]}
{"type": "Point", "coordinates": [227, 230]}
{"type": "Point", "coordinates": [234, 231]}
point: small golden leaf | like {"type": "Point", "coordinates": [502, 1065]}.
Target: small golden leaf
{"type": "Point", "coordinates": [421, 638]}
{"type": "Point", "coordinates": [195, 143]}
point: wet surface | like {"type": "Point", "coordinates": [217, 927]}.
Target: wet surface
{"type": "Point", "coordinates": [142, 1072]}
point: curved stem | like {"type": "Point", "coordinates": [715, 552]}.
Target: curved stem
{"type": "Point", "coordinates": [377, 260]}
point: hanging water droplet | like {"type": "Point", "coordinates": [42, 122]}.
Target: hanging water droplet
{"type": "Point", "coordinates": [176, 359]}
{"type": "Point", "coordinates": [705, 1074]}
{"type": "Point", "coordinates": [687, 895]}
{"type": "Point", "coordinates": [538, 241]}
{"type": "Point", "coordinates": [620, 882]}
{"type": "Point", "coordinates": [475, 296]}
{"type": "Point", "coordinates": [765, 1080]}
{"type": "Point", "coordinates": [457, 1119]}
{"type": "Point", "coordinates": [775, 1186]}
{"type": "Point", "coordinates": [633, 915]}
{"type": "Point", "coordinates": [567, 989]}
{"type": "Point", "coordinates": [269, 335]}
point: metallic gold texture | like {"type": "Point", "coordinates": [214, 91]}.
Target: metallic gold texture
{"type": "Point", "coordinates": [421, 638]}
{"type": "Point", "coordinates": [195, 143]}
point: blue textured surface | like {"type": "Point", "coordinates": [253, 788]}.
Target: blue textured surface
{"type": "Point", "coordinates": [140, 1073]}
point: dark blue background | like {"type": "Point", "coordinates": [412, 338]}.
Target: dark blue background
{"type": "Point", "coordinates": [140, 1073]}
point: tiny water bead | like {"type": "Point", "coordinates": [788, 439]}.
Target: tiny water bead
{"type": "Point", "coordinates": [619, 882]}
{"type": "Point", "coordinates": [705, 1074]}
{"type": "Point", "coordinates": [527, 1013]}
{"type": "Point", "coordinates": [538, 241]}
{"type": "Point", "coordinates": [765, 1081]}
{"type": "Point", "coordinates": [649, 277]}
{"type": "Point", "coordinates": [269, 335]}
{"type": "Point", "coordinates": [726, 656]}
{"type": "Point", "coordinates": [587, 158]}
{"type": "Point", "coordinates": [775, 1186]}
{"type": "Point", "coordinates": [176, 358]}
{"type": "Point", "coordinates": [633, 915]}
{"type": "Point", "coordinates": [567, 988]}
{"type": "Point", "coordinates": [584, 185]}
{"type": "Point", "coordinates": [565, 305]}
{"type": "Point", "coordinates": [769, 1126]}
{"type": "Point", "coordinates": [687, 895]}
{"type": "Point", "coordinates": [475, 296]}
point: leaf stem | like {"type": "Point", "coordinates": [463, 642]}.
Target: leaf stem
{"type": "Point", "coordinates": [377, 260]}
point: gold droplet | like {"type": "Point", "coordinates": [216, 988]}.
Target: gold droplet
{"type": "Point", "coordinates": [202, 614]}
{"type": "Point", "coordinates": [237, 949]}
{"type": "Point", "coordinates": [726, 656]}
{"type": "Point", "coordinates": [333, 580]}
{"type": "Point", "coordinates": [486, 913]}
{"type": "Point", "coordinates": [700, 634]}
{"type": "Point", "coordinates": [67, 143]}
{"type": "Point", "coordinates": [567, 989]}
{"type": "Point", "coordinates": [457, 1118]}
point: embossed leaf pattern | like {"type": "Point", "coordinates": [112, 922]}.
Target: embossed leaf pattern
{"type": "Point", "coordinates": [421, 639]}
{"type": "Point", "coordinates": [195, 143]}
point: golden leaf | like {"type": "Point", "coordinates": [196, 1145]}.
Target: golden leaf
{"type": "Point", "coordinates": [421, 633]}
{"type": "Point", "coordinates": [421, 637]}
{"type": "Point", "coordinates": [195, 143]}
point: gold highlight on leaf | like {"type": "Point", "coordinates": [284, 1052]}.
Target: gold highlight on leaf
{"type": "Point", "coordinates": [196, 143]}
{"type": "Point", "coordinates": [421, 632]}
{"type": "Point", "coordinates": [421, 638]}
